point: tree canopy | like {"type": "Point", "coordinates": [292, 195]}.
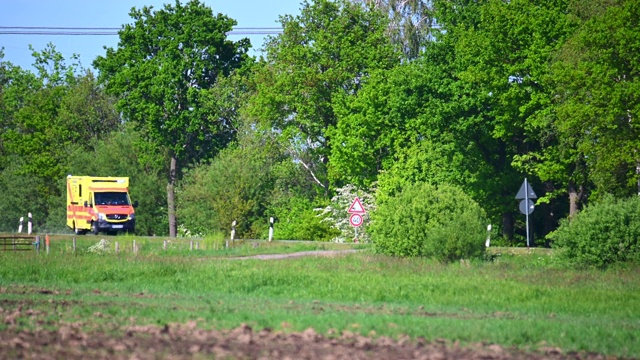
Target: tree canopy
{"type": "Point", "coordinates": [161, 71]}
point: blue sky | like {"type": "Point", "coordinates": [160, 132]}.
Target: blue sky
{"type": "Point", "coordinates": [115, 13]}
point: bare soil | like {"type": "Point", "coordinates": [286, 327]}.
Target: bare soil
{"type": "Point", "coordinates": [187, 341]}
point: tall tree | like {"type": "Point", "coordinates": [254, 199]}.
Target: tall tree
{"type": "Point", "coordinates": [411, 22]}
{"type": "Point", "coordinates": [325, 53]}
{"type": "Point", "coordinates": [597, 73]}
{"type": "Point", "coordinates": [44, 115]}
{"type": "Point", "coordinates": [503, 50]}
{"type": "Point", "coordinates": [161, 71]}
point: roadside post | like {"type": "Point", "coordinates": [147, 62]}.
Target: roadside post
{"type": "Point", "coordinates": [270, 229]}
{"type": "Point", "coordinates": [526, 206]}
{"type": "Point", "coordinates": [356, 210]}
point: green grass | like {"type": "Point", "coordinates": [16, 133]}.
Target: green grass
{"type": "Point", "coordinates": [523, 299]}
{"type": "Point", "coordinates": [196, 247]}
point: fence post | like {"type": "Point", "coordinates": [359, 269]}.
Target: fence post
{"type": "Point", "coordinates": [74, 245]}
{"type": "Point", "coordinates": [164, 245]}
{"type": "Point", "coordinates": [37, 243]}
{"type": "Point", "coordinates": [135, 249]}
{"type": "Point", "coordinates": [29, 226]}
{"type": "Point", "coordinates": [117, 247]}
{"type": "Point", "coordinates": [197, 245]}
{"type": "Point", "coordinates": [270, 229]}
{"type": "Point", "coordinates": [46, 242]}
{"type": "Point", "coordinates": [190, 245]}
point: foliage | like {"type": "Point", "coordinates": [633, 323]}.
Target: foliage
{"type": "Point", "coordinates": [119, 154]}
{"type": "Point", "coordinates": [411, 23]}
{"type": "Point", "coordinates": [602, 234]}
{"type": "Point", "coordinates": [424, 220]}
{"type": "Point", "coordinates": [325, 53]}
{"type": "Point", "coordinates": [234, 186]}
{"type": "Point", "coordinates": [598, 82]}
{"type": "Point", "coordinates": [336, 214]}
{"type": "Point", "coordinates": [162, 70]}
{"type": "Point", "coordinates": [44, 117]}
{"type": "Point", "coordinates": [20, 197]}
{"type": "Point", "coordinates": [297, 220]}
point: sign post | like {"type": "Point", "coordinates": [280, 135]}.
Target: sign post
{"type": "Point", "coordinates": [356, 210]}
{"type": "Point", "coordinates": [526, 205]}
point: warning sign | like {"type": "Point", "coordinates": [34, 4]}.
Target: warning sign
{"type": "Point", "coordinates": [356, 207]}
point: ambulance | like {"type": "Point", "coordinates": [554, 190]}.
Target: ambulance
{"type": "Point", "coordinates": [99, 204]}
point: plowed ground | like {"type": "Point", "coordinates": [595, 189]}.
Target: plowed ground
{"type": "Point", "coordinates": [187, 341]}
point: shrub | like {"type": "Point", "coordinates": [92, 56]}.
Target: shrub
{"type": "Point", "coordinates": [602, 234]}
{"type": "Point", "coordinates": [297, 220]}
{"type": "Point", "coordinates": [424, 220]}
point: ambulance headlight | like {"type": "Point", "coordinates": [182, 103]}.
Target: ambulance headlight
{"type": "Point", "coordinates": [132, 216]}
{"type": "Point", "coordinates": [102, 216]}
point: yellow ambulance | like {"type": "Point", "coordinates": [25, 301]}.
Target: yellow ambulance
{"type": "Point", "coordinates": [99, 204]}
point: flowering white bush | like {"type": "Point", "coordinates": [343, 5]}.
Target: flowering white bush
{"type": "Point", "coordinates": [336, 213]}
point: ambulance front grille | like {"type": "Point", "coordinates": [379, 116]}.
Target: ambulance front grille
{"type": "Point", "coordinates": [117, 216]}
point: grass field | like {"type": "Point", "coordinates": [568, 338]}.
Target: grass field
{"type": "Point", "coordinates": [520, 298]}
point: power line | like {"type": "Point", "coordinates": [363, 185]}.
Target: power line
{"type": "Point", "coordinates": [110, 31]}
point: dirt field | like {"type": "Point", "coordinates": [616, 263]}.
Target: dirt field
{"type": "Point", "coordinates": [186, 341]}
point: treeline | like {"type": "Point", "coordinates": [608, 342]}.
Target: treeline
{"type": "Point", "coordinates": [371, 95]}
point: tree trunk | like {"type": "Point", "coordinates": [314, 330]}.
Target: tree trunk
{"type": "Point", "coordinates": [573, 200]}
{"type": "Point", "coordinates": [171, 200]}
{"type": "Point", "coordinates": [507, 226]}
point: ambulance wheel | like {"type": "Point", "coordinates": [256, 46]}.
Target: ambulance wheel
{"type": "Point", "coordinates": [94, 228]}
{"type": "Point", "coordinates": [78, 231]}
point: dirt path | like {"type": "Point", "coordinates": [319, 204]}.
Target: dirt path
{"type": "Point", "coordinates": [326, 253]}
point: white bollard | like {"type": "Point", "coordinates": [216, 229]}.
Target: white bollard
{"type": "Point", "coordinates": [20, 226]}
{"type": "Point", "coordinates": [488, 242]}
{"type": "Point", "coordinates": [233, 230]}
{"type": "Point", "coordinates": [270, 229]}
{"type": "Point", "coordinates": [29, 225]}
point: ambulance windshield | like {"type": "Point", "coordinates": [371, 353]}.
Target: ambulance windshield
{"type": "Point", "coordinates": [111, 198]}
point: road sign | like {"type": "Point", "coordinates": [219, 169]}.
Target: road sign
{"type": "Point", "coordinates": [526, 206]}
{"type": "Point", "coordinates": [526, 191]}
{"type": "Point", "coordinates": [356, 207]}
{"type": "Point", "coordinates": [355, 220]}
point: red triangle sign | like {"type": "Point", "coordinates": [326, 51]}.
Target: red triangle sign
{"type": "Point", "coordinates": [356, 207]}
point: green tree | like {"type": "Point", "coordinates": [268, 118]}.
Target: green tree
{"type": "Point", "coordinates": [503, 51]}
{"type": "Point", "coordinates": [325, 53]}
{"type": "Point", "coordinates": [234, 186]}
{"type": "Point", "coordinates": [161, 71]}
{"type": "Point", "coordinates": [598, 92]}
{"type": "Point", "coordinates": [44, 115]}
{"type": "Point", "coordinates": [411, 23]}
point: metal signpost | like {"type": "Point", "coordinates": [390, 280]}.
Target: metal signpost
{"type": "Point", "coordinates": [526, 205]}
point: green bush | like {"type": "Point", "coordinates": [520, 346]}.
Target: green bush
{"type": "Point", "coordinates": [602, 234]}
{"type": "Point", "coordinates": [297, 220]}
{"type": "Point", "coordinates": [424, 220]}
